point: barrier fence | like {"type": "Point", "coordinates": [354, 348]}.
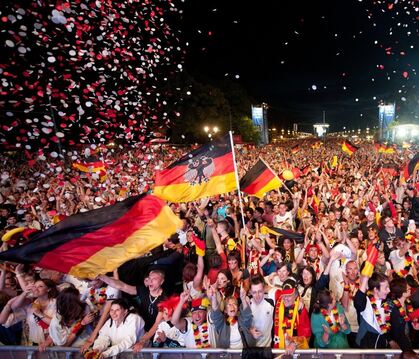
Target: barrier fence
{"type": "Point", "coordinates": [22, 352]}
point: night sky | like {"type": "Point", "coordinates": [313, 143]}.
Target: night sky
{"type": "Point", "coordinates": [303, 57]}
{"type": "Point", "coordinates": [94, 71]}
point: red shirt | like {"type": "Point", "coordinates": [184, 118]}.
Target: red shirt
{"type": "Point", "coordinates": [213, 272]}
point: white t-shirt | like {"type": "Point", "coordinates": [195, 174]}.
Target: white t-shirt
{"type": "Point", "coordinates": [235, 337]}
{"type": "Point", "coordinates": [280, 221]}
{"type": "Point", "coordinates": [36, 333]}
{"type": "Point", "coordinates": [119, 338]}
{"type": "Point", "coordinates": [263, 314]}
{"type": "Point", "coordinates": [171, 332]}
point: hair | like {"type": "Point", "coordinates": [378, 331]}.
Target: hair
{"type": "Point", "coordinates": [229, 290]}
{"type": "Point", "coordinates": [123, 303]}
{"type": "Point", "coordinates": [323, 299]}
{"type": "Point", "coordinates": [285, 264]}
{"type": "Point", "coordinates": [234, 255]}
{"type": "Point", "coordinates": [214, 261]}
{"type": "Point", "coordinates": [170, 303]}
{"type": "Point", "coordinates": [69, 306]}
{"type": "Point", "coordinates": [52, 288]}
{"type": "Point", "coordinates": [309, 269]}
{"type": "Point", "coordinates": [157, 271]}
{"type": "Point", "coordinates": [281, 250]}
{"type": "Point", "coordinates": [291, 250]}
{"type": "Point", "coordinates": [230, 297]}
{"type": "Point", "coordinates": [224, 224]}
{"type": "Point", "coordinates": [260, 210]}
{"type": "Point", "coordinates": [398, 286]}
{"type": "Point", "coordinates": [376, 279]}
{"type": "Point", "coordinates": [174, 238]}
{"type": "Point", "coordinates": [189, 272]}
{"type": "Point", "coordinates": [256, 280]}
{"type": "Point", "coordinates": [249, 209]}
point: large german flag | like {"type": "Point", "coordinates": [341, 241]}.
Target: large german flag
{"type": "Point", "coordinates": [204, 172]}
{"type": "Point", "coordinates": [99, 241]}
{"type": "Point", "coordinates": [259, 180]}
{"type": "Point", "coordinates": [349, 148]}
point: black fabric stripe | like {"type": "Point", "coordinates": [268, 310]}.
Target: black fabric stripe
{"type": "Point", "coordinates": [214, 149]}
{"type": "Point", "coordinates": [69, 228]}
{"type": "Point", "coordinates": [252, 175]}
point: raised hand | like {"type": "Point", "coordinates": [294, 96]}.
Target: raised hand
{"type": "Point", "coordinates": [326, 333]}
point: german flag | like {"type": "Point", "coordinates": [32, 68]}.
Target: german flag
{"type": "Point", "coordinates": [204, 172]}
{"type": "Point", "coordinates": [306, 170]}
{"type": "Point", "coordinates": [372, 255]}
{"type": "Point", "coordinates": [410, 168]}
{"type": "Point", "coordinates": [383, 148]}
{"type": "Point", "coordinates": [316, 145]}
{"type": "Point", "coordinates": [90, 165]}
{"type": "Point", "coordinates": [349, 148]}
{"type": "Point", "coordinates": [295, 149]}
{"type": "Point", "coordinates": [390, 169]}
{"type": "Point", "coordinates": [298, 237]}
{"type": "Point", "coordinates": [99, 241]}
{"type": "Point", "coordinates": [259, 180]}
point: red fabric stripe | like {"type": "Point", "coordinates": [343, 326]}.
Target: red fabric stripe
{"type": "Point", "coordinates": [261, 181]}
{"type": "Point", "coordinates": [223, 165]}
{"type": "Point", "coordinates": [80, 249]}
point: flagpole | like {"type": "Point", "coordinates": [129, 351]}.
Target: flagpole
{"type": "Point", "coordinates": [239, 192]}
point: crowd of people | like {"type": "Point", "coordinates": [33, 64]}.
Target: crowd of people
{"type": "Point", "coordinates": [250, 287]}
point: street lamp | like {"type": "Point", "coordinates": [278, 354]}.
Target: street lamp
{"type": "Point", "coordinates": [211, 131]}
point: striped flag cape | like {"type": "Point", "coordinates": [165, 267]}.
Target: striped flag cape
{"type": "Point", "coordinates": [259, 180]}
{"type": "Point", "coordinates": [204, 172]}
{"type": "Point", "coordinates": [99, 241]}
{"type": "Point", "coordinates": [349, 148]}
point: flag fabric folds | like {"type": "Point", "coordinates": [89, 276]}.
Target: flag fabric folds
{"type": "Point", "coordinates": [295, 149]}
{"type": "Point", "coordinates": [410, 168]}
{"type": "Point", "coordinates": [298, 237]}
{"type": "Point", "coordinates": [372, 255]}
{"type": "Point", "coordinates": [383, 148]}
{"type": "Point", "coordinates": [259, 180]}
{"type": "Point", "coordinates": [92, 165]}
{"type": "Point", "coordinates": [204, 172]}
{"type": "Point", "coordinates": [349, 148]}
{"type": "Point", "coordinates": [99, 241]}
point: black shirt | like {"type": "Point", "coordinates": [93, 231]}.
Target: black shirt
{"type": "Point", "coordinates": [147, 305]}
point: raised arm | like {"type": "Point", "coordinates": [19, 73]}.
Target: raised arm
{"type": "Point", "coordinates": [118, 284]}
{"type": "Point", "coordinates": [177, 321]}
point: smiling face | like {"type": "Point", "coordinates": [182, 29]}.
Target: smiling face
{"type": "Point", "coordinates": [199, 316]}
{"type": "Point", "coordinates": [307, 277]}
{"type": "Point", "coordinates": [382, 292]}
{"type": "Point", "coordinates": [117, 313]}
{"type": "Point", "coordinates": [222, 280]}
{"type": "Point", "coordinates": [40, 289]}
{"type": "Point", "coordinates": [283, 273]}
